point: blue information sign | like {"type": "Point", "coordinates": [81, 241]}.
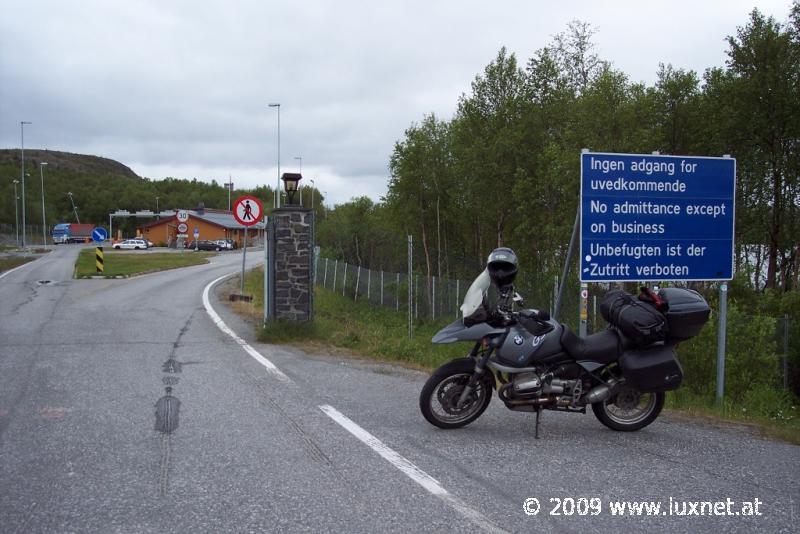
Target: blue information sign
{"type": "Point", "coordinates": [656, 218]}
{"type": "Point", "coordinates": [99, 234]}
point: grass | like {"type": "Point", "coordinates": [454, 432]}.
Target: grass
{"type": "Point", "coordinates": [6, 264]}
{"type": "Point", "coordinates": [382, 334]}
{"type": "Point", "coordinates": [127, 263]}
{"type": "Point", "coordinates": [360, 328]}
{"type": "Point", "coordinates": [772, 411]}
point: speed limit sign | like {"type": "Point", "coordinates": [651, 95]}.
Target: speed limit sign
{"type": "Point", "coordinates": [182, 216]}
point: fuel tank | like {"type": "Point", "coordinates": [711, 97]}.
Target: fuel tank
{"type": "Point", "coordinates": [523, 349]}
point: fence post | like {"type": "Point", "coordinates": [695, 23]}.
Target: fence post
{"type": "Point", "coordinates": [786, 351]}
{"type": "Point", "coordinates": [433, 298]}
{"type": "Point", "coordinates": [335, 268]}
{"type": "Point", "coordinates": [358, 279]}
{"type": "Point", "coordinates": [458, 294]}
{"type": "Point", "coordinates": [381, 287]}
{"type": "Point", "coordinates": [344, 279]}
{"type": "Point", "coordinates": [369, 282]}
{"type": "Point", "coordinates": [410, 292]}
{"type": "Point", "coordinates": [325, 277]}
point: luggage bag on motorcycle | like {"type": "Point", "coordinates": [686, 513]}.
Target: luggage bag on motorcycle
{"type": "Point", "coordinates": [638, 321]}
{"type": "Point", "coordinates": [687, 312]}
{"type": "Point", "coordinates": [652, 369]}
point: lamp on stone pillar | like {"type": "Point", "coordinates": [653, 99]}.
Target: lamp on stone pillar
{"type": "Point", "coordinates": [290, 181]}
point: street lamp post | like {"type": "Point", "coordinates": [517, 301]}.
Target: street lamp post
{"type": "Point", "coordinates": [44, 223]}
{"type": "Point", "coordinates": [278, 187]}
{"type": "Point", "coordinates": [16, 209]}
{"type": "Point", "coordinates": [22, 173]}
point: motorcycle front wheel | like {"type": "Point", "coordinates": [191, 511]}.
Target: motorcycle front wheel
{"type": "Point", "coordinates": [439, 398]}
{"type": "Point", "coordinates": [630, 409]}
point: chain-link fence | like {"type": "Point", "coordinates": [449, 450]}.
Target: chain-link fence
{"type": "Point", "coordinates": [11, 235]}
{"type": "Point", "coordinates": [431, 297]}
{"type": "Point", "coordinates": [439, 298]}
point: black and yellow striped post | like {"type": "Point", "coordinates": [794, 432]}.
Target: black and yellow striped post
{"type": "Point", "coordinates": [98, 260]}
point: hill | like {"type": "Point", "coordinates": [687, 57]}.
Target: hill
{"type": "Point", "coordinates": [67, 162]}
{"type": "Point", "coordinates": [99, 186]}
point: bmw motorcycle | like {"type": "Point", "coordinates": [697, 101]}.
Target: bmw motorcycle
{"type": "Point", "coordinates": [536, 363]}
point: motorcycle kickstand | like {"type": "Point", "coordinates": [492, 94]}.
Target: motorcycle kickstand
{"type": "Point", "coordinates": [536, 431]}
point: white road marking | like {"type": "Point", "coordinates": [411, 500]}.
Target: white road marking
{"type": "Point", "coordinates": [247, 348]}
{"type": "Point", "coordinates": [410, 470]}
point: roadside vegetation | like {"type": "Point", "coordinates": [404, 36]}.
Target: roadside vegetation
{"type": "Point", "coordinates": [128, 263]}
{"type": "Point", "coordinates": [752, 397]}
{"type": "Point", "coordinates": [6, 264]}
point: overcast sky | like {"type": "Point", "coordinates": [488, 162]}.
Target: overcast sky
{"type": "Point", "coordinates": [181, 88]}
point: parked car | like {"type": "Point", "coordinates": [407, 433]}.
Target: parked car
{"type": "Point", "coordinates": [131, 244]}
{"type": "Point", "coordinates": [204, 244]}
{"type": "Point", "coordinates": [227, 244]}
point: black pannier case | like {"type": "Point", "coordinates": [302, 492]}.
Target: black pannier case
{"type": "Point", "coordinates": [639, 321]}
{"type": "Point", "coordinates": [653, 369]}
{"type": "Point", "coordinates": [687, 312]}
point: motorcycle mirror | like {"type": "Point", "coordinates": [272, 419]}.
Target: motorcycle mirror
{"type": "Point", "coordinates": [518, 299]}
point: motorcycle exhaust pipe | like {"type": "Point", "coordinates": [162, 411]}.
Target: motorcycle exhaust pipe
{"type": "Point", "coordinates": [602, 392]}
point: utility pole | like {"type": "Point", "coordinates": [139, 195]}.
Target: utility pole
{"type": "Point", "coordinates": [74, 207]}
{"type": "Point", "coordinates": [16, 209]}
{"type": "Point", "coordinates": [44, 223]}
{"type": "Point", "coordinates": [22, 172]}
{"type": "Point", "coordinates": [230, 186]}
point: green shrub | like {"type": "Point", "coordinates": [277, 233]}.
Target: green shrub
{"type": "Point", "coordinates": [750, 356]}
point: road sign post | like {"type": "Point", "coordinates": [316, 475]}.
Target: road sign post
{"type": "Point", "coordinates": [653, 217]}
{"type": "Point", "coordinates": [247, 210]}
{"type": "Point", "coordinates": [659, 218]}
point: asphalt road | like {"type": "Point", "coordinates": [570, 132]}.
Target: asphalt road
{"type": "Point", "coordinates": [92, 439]}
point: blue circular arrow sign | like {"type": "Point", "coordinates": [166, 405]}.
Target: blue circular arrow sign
{"type": "Point", "coordinates": [99, 234]}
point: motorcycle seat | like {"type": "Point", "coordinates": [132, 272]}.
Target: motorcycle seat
{"type": "Point", "coordinates": [603, 347]}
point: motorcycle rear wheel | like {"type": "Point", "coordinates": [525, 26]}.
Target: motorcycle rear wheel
{"type": "Point", "coordinates": [630, 409]}
{"type": "Point", "coordinates": [441, 392]}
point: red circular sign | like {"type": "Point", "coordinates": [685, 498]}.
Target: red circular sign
{"type": "Point", "coordinates": [182, 228]}
{"type": "Point", "coordinates": [248, 210]}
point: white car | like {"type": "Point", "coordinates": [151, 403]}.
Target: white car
{"type": "Point", "coordinates": [132, 244]}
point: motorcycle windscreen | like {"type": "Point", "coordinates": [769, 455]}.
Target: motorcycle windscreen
{"type": "Point", "coordinates": [473, 308]}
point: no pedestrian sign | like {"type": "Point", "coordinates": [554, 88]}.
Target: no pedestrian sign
{"type": "Point", "coordinates": [653, 218]}
{"type": "Point", "coordinates": [248, 210]}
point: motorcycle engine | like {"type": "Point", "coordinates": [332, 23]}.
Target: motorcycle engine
{"type": "Point", "coordinates": [526, 385]}
{"type": "Point", "coordinates": [534, 386]}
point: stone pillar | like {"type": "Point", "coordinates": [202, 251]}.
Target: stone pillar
{"type": "Point", "coordinates": [294, 261]}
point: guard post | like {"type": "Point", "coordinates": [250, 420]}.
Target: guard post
{"type": "Point", "coordinates": [293, 258]}
{"type": "Point", "coordinates": [99, 235]}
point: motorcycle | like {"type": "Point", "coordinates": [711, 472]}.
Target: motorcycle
{"type": "Point", "coordinates": [536, 363]}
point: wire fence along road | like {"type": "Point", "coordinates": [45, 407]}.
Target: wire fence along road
{"type": "Point", "coordinates": [439, 298]}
